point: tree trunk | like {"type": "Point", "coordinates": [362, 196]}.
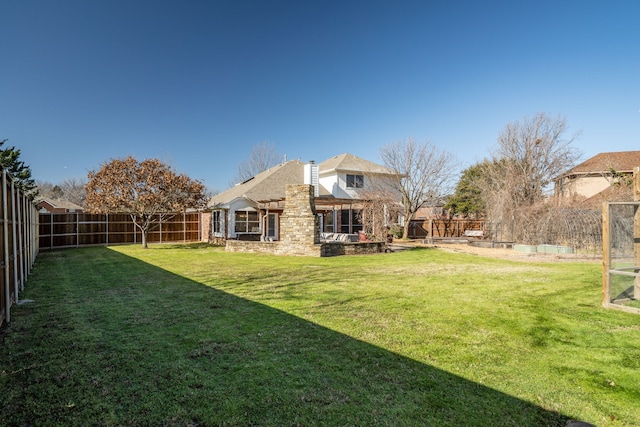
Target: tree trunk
{"type": "Point", "coordinates": [407, 224]}
{"type": "Point", "coordinates": [144, 238]}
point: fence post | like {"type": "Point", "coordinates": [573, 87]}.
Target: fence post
{"type": "Point", "coordinates": [34, 235]}
{"type": "Point", "coordinates": [606, 259]}
{"type": "Point", "coordinates": [21, 233]}
{"type": "Point", "coordinates": [14, 239]}
{"type": "Point", "coordinates": [51, 231]}
{"type": "Point", "coordinates": [5, 258]}
{"type": "Point", "coordinates": [636, 229]}
{"type": "Point", "coordinates": [36, 232]}
{"type": "Point", "coordinates": [29, 235]}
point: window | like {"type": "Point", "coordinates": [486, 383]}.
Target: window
{"type": "Point", "coordinates": [345, 215]}
{"type": "Point", "coordinates": [247, 222]}
{"type": "Point", "coordinates": [216, 221]}
{"type": "Point", "coordinates": [328, 222]}
{"type": "Point", "coordinates": [355, 181]}
{"type": "Point", "coordinates": [350, 221]}
{"type": "Point", "coordinates": [272, 226]}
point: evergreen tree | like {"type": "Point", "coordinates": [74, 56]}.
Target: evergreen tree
{"type": "Point", "coordinates": [21, 173]}
{"type": "Point", "coordinates": [467, 198]}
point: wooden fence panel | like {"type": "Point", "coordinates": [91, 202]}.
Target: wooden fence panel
{"type": "Point", "coordinates": [18, 243]}
{"type": "Point", "coordinates": [420, 229]}
{"type": "Point", "coordinates": [65, 230]}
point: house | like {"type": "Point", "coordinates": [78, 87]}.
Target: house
{"type": "Point", "coordinates": [596, 176]}
{"type": "Point", "coordinates": [252, 209]}
{"type": "Point", "coordinates": [47, 204]}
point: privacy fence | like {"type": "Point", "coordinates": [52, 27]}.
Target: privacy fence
{"type": "Point", "coordinates": [70, 230]}
{"type": "Point", "coordinates": [445, 228]}
{"type": "Point", "coordinates": [18, 243]}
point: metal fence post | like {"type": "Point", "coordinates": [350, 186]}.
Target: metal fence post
{"type": "Point", "coordinates": [21, 232]}
{"type": "Point", "coordinates": [5, 258]}
{"type": "Point", "coordinates": [14, 239]}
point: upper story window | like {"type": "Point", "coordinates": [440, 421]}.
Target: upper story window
{"type": "Point", "coordinates": [355, 181]}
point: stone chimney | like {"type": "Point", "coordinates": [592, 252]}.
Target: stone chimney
{"type": "Point", "coordinates": [299, 226]}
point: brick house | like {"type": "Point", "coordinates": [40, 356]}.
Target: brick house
{"type": "Point", "coordinates": [47, 204]}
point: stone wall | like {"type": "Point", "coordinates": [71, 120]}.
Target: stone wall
{"type": "Point", "coordinates": [250, 247]}
{"type": "Point", "coordinates": [360, 248]}
{"type": "Point", "coordinates": [318, 250]}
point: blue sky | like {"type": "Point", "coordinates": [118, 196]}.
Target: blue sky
{"type": "Point", "coordinates": [198, 83]}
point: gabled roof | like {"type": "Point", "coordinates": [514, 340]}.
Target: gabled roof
{"type": "Point", "coordinates": [350, 163]}
{"type": "Point", "coordinates": [59, 203]}
{"type": "Point", "coordinates": [620, 161]}
{"type": "Point", "coordinates": [270, 185]}
{"type": "Point", "coordinates": [265, 186]}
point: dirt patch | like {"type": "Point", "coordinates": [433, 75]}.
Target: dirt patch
{"type": "Point", "coordinates": [508, 254]}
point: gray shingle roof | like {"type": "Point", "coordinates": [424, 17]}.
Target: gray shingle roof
{"type": "Point", "coordinates": [349, 163]}
{"type": "Point", "coordinates": [266, 186]}
{"type": "Point", "coordinates": [270, 184]}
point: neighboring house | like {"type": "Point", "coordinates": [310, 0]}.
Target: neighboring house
{"type": "Point", "coordinates": [432, 209]}
{"type": "Point", "coordinates": [46, 204]}
{"type": "Point", "coordinates": [251, 210]}
{"type": "Point", "coordinates": [595, 176]}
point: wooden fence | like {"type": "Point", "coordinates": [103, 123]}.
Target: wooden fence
{"type": "Point", "coordinates": [18, 243]}
{"type": "Point", "coordinates": [420, 229]}
{"type": "Point", "coordinates": [71, 230]}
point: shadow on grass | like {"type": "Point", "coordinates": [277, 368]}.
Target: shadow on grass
{"type": "Point", "coordinates": [112, 340]}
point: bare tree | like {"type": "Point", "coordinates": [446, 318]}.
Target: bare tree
{"type": "Point", "coordinates": [262, 157]}
{"type": "Point", "coordinates": [530, 153]}
{"type": "Point", "coordinates": [47, 189]}
{"type": "Point", "coordinates": [421, 172]}
{"type": "Point", "coordinates": [73, 190]}
{"type": "Point", "coordinates": [149, 191]}
{"type": "Point", "coordinates": [380, 210]}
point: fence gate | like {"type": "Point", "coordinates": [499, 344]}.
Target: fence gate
{"type": "Point", "coordinates": [621, 252]}
{"type": "Point", "coordinates": [621, 256]}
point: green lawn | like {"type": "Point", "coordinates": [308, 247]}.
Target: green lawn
{"type": "Point", "coordinates": [189, 335]}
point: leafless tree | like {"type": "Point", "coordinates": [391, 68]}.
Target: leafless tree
{"type": "Point", "coordinates": [262, 157]}
{"type": "Point", "coordinates": [380, 211]}
{"type": "Point", "coordinates": [47, 189]}
{"type": "Point", "coordinates": [529, 155]}
{"type": "Point", "coordinates": [421, 172]}
{"type": "Point", "coordinates": [73, 190]}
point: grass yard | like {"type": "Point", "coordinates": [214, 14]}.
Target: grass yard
{"type": "Point", "coordinates": [189, 335]}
